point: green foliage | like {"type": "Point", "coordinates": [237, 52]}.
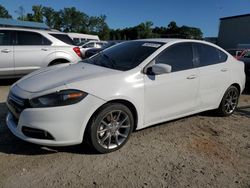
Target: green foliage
{"type": "Point", "coordinates": [21, 13]}
{"type": "Point", "coordinates": [4, 13]}
{"type": "Point", "coordinates": [72, 20]}
{"type": "Point", "coordinates": [98, 25]}
{"type": "Point", "coordinates": [49, 15]}
{"type": "Point", "coordinates": [38, 13]}
{"type": "Point", "coordinates": [145, 30]}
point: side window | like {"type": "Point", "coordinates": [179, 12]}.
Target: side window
{"type": "Point", "coordinates": [46, 41]}
{"type": "Point", "coordinates": [100, 44]}
{"type": "Point", "coordinates": [63, 37]}
{"type": "Point", "coordinates": [31, 38]}
{"type": "Point", "coordinates": [179, 56]}
{"type": "Point", "coordinates": [90, 45]}
{"type": "Point", "coordinates": [5, 38]}
{"type": "Point", "coordinates": [76, 40]}
{"type": "Point", "coordinates": [222, 56]}
{"type": "Point", "coordinates": [209, 55]}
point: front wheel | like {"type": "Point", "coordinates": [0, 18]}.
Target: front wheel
{"type": "Point", "coordinates": [110, 128]}
{"type": "Point", "coordinates": [229, 102]}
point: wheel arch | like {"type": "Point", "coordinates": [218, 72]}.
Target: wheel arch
{"type": "Point", "coordinates": [237, 86]}
{"type": "Point", "coordinates": [126, 103]}
{"type": "Point", "coordinates": [61, 60]}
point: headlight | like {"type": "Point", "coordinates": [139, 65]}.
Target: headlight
{"type": "Point", "coordinates": [60, 98]}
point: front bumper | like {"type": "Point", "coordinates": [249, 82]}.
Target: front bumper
{"type": "Point", "coordinates": [66, 124]}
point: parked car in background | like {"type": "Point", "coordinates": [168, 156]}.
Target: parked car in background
{"type": "Point", "coordinates": [25, 50]}
{"type": "Point", "coordinates": [127, 87]}
{"type": "Point", "coordinates": [93, 51]}
{"type": "Point", "coordinates": [246, 59]}
{"type": "Point", "coordinates": [80, 38]}
{"type": "Point", "coordinates": [90, 45]}
{"type": "Point", "coordinates": [238, 53]}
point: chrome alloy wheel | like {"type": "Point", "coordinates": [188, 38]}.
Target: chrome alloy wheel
{"type": "Point", "coordinates": [113, 129]}
{"type": "Point", "coordinates": [231, 101]}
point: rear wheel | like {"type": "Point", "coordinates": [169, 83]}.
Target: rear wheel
{"type": "Point", "coordinates": [229, 102]}
{"type": "Point", "coordinates": [110, 128]}
{"type": "Point", "coordinates": [57, 62]}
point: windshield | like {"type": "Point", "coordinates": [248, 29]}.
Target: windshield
{"type": "Point", "coordinates": [125, 56]}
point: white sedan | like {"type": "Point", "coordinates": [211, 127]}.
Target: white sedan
{"type": "Point", "coordinates": [127, 87]}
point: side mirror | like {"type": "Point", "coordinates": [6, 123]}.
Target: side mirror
{"type": "Point", "coordinates": [158, 69]}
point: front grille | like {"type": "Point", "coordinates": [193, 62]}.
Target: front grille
{"type": "Point", "coordinates": [16, 105]}
{"type": "Point", "coordinates": [37, 133]}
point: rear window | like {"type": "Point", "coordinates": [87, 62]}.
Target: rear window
{"type": "Point", "coordinates": [64, 38]}
{"type": "Point", "coordinates": [209, 55]}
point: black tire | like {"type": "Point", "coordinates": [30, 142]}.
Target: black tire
{"type": "Point", "coordinates": [56, 63]}
{"type": "Point", "coordinates": [97, 131]}
{"type": "Point", "coordinates": [229, 102]}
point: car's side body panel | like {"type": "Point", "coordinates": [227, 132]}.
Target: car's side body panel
{"type": "Point", "coordinates": [170, 95]}
{"type": "Point", "coordinates": [7, 61]}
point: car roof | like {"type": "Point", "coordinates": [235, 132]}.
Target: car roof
{"type": "Point", "coordinates": [170, 40]}
{"type": "Point", "coordinates": [32, 30]}
{"type": "Point", "coordinates": [175, 40]}
{"type": "Point", "coordinates": [164, 40]}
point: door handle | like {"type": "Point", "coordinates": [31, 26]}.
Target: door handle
{"type": "Point", "coordinates": [192, 77]}
{"type": "Point", "coordinates": [224, 70]}
{"type": "Point", "coordinates": [5, 51]}
{"type": "Point", "coordinates": [44, 49]}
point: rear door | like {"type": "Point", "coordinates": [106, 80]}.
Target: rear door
{"type": "Point", "coordinates": [214, 75]}
{"type": "Point", "coordinates": [6, 53]}
{"type": "Point", "coordinates": [31, 50]}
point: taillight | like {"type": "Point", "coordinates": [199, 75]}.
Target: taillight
{"type": "Point", "coordinates": [77, 51]}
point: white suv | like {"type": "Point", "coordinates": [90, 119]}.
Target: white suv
{"type": "Point", "coordinates": [25, 50]}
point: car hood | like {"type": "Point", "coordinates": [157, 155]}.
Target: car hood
{"type": "Point", "coordinates": [56, 76]}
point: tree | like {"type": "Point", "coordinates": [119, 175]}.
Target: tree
{"type": "Point", "coordinates": [49, 14]}
{"type": "Point", "coordinates": [57, 21]}
{"type": "Point", "coordinates": [98, 25]}
{"type": "Point", "coordinates": [144, 30]}
{"type": "Point", "coordinates": [73, 20]}
{"type": "Point", "coordinates": [21, 13]}
{"type": "Point", "coordinates": [4, 13]}
{"type": "Point", "coordinates": [37, 13]}
{"type": "Point", "coordinates": [52, 18]}
{"type": "Point", "coordinates": [190, 32]}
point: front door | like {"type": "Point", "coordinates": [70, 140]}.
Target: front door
{"type": "Point", "coordinates": [6, 54]}
{"type": "Point", "coordinates": [172, 95]}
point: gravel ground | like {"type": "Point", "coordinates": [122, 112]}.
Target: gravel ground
{"type": "Point", "coordinates": [197, 151]}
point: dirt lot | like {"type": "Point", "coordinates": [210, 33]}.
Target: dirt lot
{"type": "Point", "coordinates": [197, 151]}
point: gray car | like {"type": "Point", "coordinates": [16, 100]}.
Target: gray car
{"type": "Point", "coordinates": [25, 50]}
